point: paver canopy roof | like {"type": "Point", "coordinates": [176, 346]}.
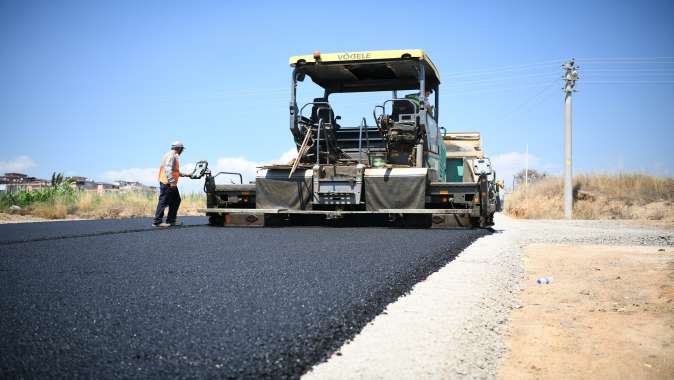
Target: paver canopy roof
{"type": "Point", "coordinates": [382, 70]}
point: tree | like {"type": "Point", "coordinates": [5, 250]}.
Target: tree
{"type": "Point", "coordinates": [56, 179]}
{"type": "Point", "coordinates": [534, 176]}
{"type": "Point", "coordinates": [59, 180]}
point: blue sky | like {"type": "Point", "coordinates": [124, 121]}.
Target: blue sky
{"type": "Point", "coordinates": [101, 89]}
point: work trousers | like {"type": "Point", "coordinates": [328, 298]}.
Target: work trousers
{"type": "Point", "coordinates": [168, 197]}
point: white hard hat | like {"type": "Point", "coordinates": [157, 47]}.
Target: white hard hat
{"type": "Point", "coordinates": [177, 144]}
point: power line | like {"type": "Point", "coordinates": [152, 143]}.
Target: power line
{"type": "Point", "coordinates": [503, 89]}
{"type": "Point", "coordinates": [529, 101]}
{"type": "Point", "coordinates": [624, 59]}
{"type": "Point", "coordinates": [528, 66]}
{"type": "Point", "coordinates": [630, 69]}
{"type": "Point", "coordinates": [629, 63]}
{"type": "Point", "coordinates": [501, 69]}
{"type": "Point", "coordinates": [630, 82]}
{"type": "Point", "coordinates": [502, 78]}
{"type": "Point", "coordinates": [476, 75]}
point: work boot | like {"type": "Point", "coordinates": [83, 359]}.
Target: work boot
{"type": "Point", "coordinates": [160, 225]}
{"type": "Point", "coordinates": [176, 223]}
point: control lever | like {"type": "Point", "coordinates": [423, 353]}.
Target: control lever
{"type": "Point", "coordinates": [200, 170]}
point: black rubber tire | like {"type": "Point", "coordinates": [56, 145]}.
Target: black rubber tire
{"type": "Point", "coordinates": [216, 220]}
{"type": "Point", "coordinates": [477, 222]}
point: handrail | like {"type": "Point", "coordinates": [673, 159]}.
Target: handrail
{"type": "Point", "coordinates": [318, 142]}
{"type": "Point", "coordinates": [360, 141]}
{"type": "Point", "coordinates": [314, 103]}
{"type": "Point", "coordinates": [374, 112]}
{"type": "Point", "coordinates": [376, 121]}
{"type": "Point", "coordinates": [230, 173]}
{"type": "Point", "coordinates": [327, 146]}
{"type": "Point", "coordinates": [367, 141]}
{"type": "Point", "coordinates": [363, 123]}
{"type": "Point", "coordinates": [383, 109]}
{"type": "Point", "coordinates": [383, 106]}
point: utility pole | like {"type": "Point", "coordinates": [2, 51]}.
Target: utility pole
{"type": "Point", "coordinates": [570, 77]}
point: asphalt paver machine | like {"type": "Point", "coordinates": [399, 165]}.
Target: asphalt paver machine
{"type": "Point", "coordinates": [392, 171]}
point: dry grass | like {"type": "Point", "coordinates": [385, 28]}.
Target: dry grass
{"type": "Point", "coordinates": [599, 196]}
{"type": "Point", "coordinates": [90, 205]}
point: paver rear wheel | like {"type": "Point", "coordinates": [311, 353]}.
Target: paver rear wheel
{"type": "Point", "coordinates": [479, 222]}
{"type": "Point", "coordinates": [216, 220]}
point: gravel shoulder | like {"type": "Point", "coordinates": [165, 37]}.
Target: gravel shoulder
{"type": "Point", "coordinates": [455, 323]}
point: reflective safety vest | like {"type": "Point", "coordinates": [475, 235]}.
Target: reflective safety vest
{"type": "Point", "coordinates": [170, 164]}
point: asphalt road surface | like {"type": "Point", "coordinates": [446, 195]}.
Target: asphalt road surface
{"type": "Point", "coordinates": [118, 299]}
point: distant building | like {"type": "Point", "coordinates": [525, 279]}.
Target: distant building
{"type": "Point", "coordinates": [13, 182]}
{"type": "Point", "coordinates": [134, 186]}
{"type": "Point", "coordinates": [84, 183]}
{"type": "Point", "coordinates": [38, 184]}
{"type": "Point", "coordinates": [81, 183]}
{"type": "Point", "coordinates": [107, 186]}
{"type": "Point", "coordinates": [9, 178]}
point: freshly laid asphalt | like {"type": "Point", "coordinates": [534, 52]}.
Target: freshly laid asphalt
{"type": "Point", "coordinates": [117, 299]}
{"type": "Point", "coordinates": [22, 232]}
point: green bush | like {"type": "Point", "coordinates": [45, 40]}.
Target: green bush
{"type": "Point", "coordinates": [6, 201]}
{"type": "Point", "coordinates": [59, 191]}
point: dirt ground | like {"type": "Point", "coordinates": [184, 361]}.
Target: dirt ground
{"type": "Point", "coordinates": [608, 314]}
{"type": "Point", "coordinates": [16, 218]}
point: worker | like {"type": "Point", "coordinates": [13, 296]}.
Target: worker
{"type": "Point", "coordinates": [414, 97]}
{"type": "Point", "coordinates": [169, 172]}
